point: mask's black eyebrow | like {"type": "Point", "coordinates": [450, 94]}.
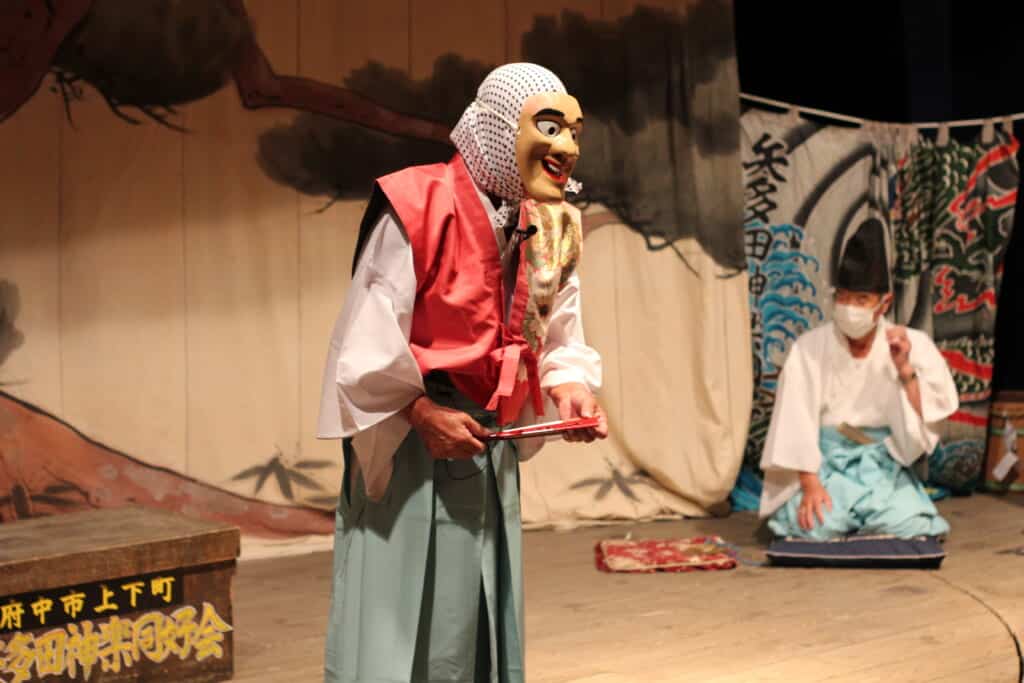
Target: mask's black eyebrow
{"type": "Point", "coordinates": [555, 112]}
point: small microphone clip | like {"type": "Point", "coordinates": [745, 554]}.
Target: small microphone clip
{"type": "Point", "coordinates": [527, 232]}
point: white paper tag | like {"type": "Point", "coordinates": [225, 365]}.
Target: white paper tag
{"type": "Point", "coordinates": [1002, 469]}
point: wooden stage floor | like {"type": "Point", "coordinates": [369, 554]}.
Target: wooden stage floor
{"type": "Point", "coordinates": [746, 625]}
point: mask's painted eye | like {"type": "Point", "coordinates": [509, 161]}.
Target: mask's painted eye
{"type": "Point", "coordinates": [575, 134]}
{"type": "Point", "coordinates": [549, 128]}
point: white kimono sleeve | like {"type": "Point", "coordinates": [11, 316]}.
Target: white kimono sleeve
{"type": "Point", "coordinates": [791, 446]}
{"type": "Point", "coordinates": [913, 434]}
{"type": "Point", "coordinates": [566, 358]}
{"type": "Point", "coordinates": [371, 374]}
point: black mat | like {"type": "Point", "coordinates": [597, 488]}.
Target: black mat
{"type": "Point", "coordinates": [869, 552]}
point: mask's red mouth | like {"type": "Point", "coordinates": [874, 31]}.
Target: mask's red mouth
{"type": "Point", "coordinates": [554, 170]}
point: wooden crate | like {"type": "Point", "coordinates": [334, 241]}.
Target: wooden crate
{"type": "Point", "coordinates": [108, 596]}
{"type": "Point", "coordinates": [1007, 412]}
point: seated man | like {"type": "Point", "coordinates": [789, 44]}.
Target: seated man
{"type": "Point", "coordinates": [855, 402]}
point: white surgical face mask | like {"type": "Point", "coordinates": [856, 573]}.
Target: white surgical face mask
{"type": "Point", "coordinates": [854, 321]}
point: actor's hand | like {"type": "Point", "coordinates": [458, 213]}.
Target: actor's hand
{"type": "Point", "coordinates": [899, 349]}
{"type": "Point", "coordinates": [574, 400]}
{"type": "Point", "coordinates": [446, 433]}
{"type": "Point", "coordinates": [815, 500]}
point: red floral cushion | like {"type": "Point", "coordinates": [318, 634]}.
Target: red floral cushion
{"type": "Point", "coordinates": [664, 555]}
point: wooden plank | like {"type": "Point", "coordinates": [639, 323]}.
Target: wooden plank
{"type": "Point", "coordinates": [909, 656]}
{"type": "Point", "coordinates": [472, 30]}
{"type": "Point", "coordinates": [995, 671]}
{"type": "Point", "coordinates": [983, 561]}
{"type": "Point", "coordinates": [242, 282]}
{"type": "Point", "coordinates": [651, 628]}
{"type": "Point", "coordinates": [337, 38]}
{"type": "Point", "coordinates": [906, 655]}
{"type": "Point", "coordinates": [740, 625]}
{"type": "Point", "coordinates": [30, 257]}
{"type": "Point", "coordinates": [280, 638]}
{"type": "Point", "coordinates": [98, 530]}
{"type": "Point", "coordinates": [79, 548]}
{"type": "Point", "coordinates": [751, 628]}
{"type": "Point", "coordinates": [122, 283]}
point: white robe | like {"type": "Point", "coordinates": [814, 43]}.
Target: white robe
{"type": "Point", "coordinates": [823, 385]}
{"type": "Point", "coordinates": [371, 374]}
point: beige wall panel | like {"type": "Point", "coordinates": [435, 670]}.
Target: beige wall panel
{"type": "Point", "coordinates": [679, 399]}
{"type": "Point", "coordinates": [600, 289]}
{"type": "Point", "coordinates": [242, 262]}
{"type": "Point", "coordinates": [29, 248]}
{"type": "Point", "coordinates": [471, 29]}
{"type": "Point", "coordinates": [731, 310]}
{"type": "Point", "coordinates": [336, 39]}
{"type": "Point", "coordinates": [122, 283]}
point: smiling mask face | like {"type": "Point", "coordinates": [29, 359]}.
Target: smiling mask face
{"type": "Point", "coordinates": [547, 144]}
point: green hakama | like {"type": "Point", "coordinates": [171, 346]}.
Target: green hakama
{"type": "Point", "coordinates": [871, 494]}
{"type": "Point", "coordinates": [428, 581]}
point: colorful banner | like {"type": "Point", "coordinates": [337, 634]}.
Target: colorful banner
{"type": "Point", "coordinates": [949, 212]}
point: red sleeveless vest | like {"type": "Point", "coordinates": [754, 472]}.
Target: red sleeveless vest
{"type": "Point", "coordinates": [458, 322]}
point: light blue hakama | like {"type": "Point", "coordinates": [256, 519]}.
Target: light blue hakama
{"type": "Point", "coordinates": [428, 581]}
{"type": "Point", "coordinates": [872, 494]}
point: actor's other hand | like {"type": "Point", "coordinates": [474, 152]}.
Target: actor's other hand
{"type": "Point", "coordinates": [574, 400]}
{"type": "Point", "coordinates": [814, 502]}
{"type": "Point", "coordinates": [447, 433]}
{"type": "Point", "coordinates": [899, 349]}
